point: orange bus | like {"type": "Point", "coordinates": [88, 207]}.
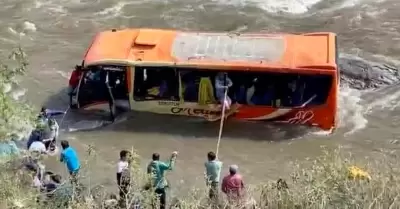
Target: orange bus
{"type": "Point", "coordinates": [286, 78]}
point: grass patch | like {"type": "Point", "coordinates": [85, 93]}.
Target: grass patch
{"type": "Point", "coordinates": [322, 183]}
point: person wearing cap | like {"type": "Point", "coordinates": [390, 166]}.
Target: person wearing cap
{"type": "Point", "coordinates": [157, 169]}
{"type": "Point", "coordinates": [233, 186]}
{"type": "Point", "coordinates": [213, 173]}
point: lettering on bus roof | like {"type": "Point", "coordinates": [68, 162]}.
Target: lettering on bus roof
{"type": "Point", "coordinates": [223, 47]}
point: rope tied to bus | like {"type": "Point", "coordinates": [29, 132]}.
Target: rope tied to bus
{"type": "Point", "coordinates": [221, 125]}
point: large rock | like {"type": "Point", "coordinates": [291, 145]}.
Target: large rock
{"type": "Point", "coordinates": [362, 74]}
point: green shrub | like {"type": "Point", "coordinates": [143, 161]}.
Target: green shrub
{"type": "Point", "coordinates": [15, 117]}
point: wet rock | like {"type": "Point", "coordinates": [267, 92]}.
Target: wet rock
{"type": "Point", "coordinates": [361, 74]}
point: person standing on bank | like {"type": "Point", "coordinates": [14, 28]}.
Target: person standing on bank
{"type": "Point", "coordinates": [71, 159]}
{"type": "Point", "coordinates": [123, 174]}
{"type": "Point", "coordinates": [213, 173]}
{"type": "Point", "coordinates": [233, 186]}
{"type": "Point", "coordinates": [157, 169]}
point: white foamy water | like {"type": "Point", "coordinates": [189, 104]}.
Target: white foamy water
{"type": "Point", "coordinates": [350, 3]}
{"type": "Point", "coordinates": [7, 87]}
{"type": "Point", "coordinates": [354, 3]}
{"type": "Point", "coordinates": [114, 10]}
{"type": "Point", "coordinates": [85, 125]}
{"type": "Point", "coordinates": [18, 93]}
{"type": "Point", "coordinates": [272, 6]}
{"type": "Point", "coordinates": [53, 7]}
{"type": "Point", "coordinates": [387, 98]}
{"type": "Point", "coordinates": [14, 32]}
{"type": "Point", "coordinates": [288, 6]}
{"type": "Point", "coordinates": [351, 111]}
{"type": "Point", "coordinates": [29, 26]}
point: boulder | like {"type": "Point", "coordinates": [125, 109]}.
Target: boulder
{"type": "Point", "coordinates": [361, 74]}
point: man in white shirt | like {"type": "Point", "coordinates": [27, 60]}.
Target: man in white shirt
{"type": "Point", "coordinates": [123, 174]}
{"type": "Point", "coordinates": [50, 136]}
{"type": "Point", "coordinates": [38, 146]}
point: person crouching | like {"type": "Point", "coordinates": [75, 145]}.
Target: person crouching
{"type": "Point", "coordinates": [58, 194]}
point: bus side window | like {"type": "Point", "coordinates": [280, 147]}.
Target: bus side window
{"type": "Point", "coordinates": [156, 83]}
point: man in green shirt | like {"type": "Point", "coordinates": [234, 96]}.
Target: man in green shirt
{"type": "Point", "coordinates": [157, 169]}
{"type": "Point", "coordinates": [213, 173]}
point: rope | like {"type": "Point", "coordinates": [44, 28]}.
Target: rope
{"type": "Point", "coordinates": [221, 125]}
{"type": "Point", "coordinates": [65, 113]}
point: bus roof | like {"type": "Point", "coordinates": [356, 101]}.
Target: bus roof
{"type": "Point", "coordinates": [159, 47]}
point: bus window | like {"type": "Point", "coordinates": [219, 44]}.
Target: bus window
{"type": "Point", "coordinates": [281, 89]}
{"type": "Point", "coordinates": [156, 83]}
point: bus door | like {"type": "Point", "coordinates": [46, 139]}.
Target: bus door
{"type": "Point", "coordinates": [103, 88]}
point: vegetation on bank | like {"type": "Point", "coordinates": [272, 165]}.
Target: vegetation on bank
{"type": "Point", "coordinates": [15, 117]}
{"type": "Point", "coordinates": [319, 183]}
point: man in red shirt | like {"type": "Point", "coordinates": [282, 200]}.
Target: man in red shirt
{"type": "Point", "coordinates": [233, 186]}
{"type": "Point", "coordinates": [74, 82]}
